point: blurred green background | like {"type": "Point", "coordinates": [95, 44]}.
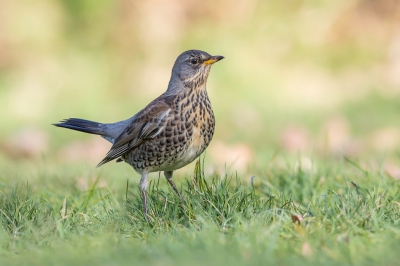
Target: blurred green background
{"type": "Point", "coordinates": [313, 79]}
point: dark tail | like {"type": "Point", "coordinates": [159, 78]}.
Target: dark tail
{"type": "Point", "coordinates": [81, 125]}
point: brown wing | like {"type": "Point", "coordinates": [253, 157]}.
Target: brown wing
{"type": "Point", "coordinates": [147, 124]}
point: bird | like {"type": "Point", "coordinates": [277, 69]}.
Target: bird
{"type": "Point", "coordinates": [170, 132]}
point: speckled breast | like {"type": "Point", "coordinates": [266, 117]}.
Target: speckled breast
{"type": "Point", "coordinates": [187, 132]}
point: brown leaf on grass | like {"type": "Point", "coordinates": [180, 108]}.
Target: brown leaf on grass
{"type": "Point", "coordinates": [297, 218]}
{"type": "Point", "coordinates": [306, 249]}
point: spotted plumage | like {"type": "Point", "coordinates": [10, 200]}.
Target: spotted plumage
{"type": "Point", "coordinates": [171, 131]}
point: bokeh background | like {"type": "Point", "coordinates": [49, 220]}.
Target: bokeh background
{"type": "Point", "coordinates": [306, 79]}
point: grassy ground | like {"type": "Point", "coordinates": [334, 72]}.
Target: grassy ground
{"type": "Point", "coordinates": [304, 85]}
{"type": "Point", "coordinates": [286, 216]}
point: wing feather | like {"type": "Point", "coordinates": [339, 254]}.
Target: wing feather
{"type": "Point", "coordinates": [147, 124]}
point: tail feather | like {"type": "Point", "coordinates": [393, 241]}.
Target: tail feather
{"type": "Point", "coordinates": [82, 125]}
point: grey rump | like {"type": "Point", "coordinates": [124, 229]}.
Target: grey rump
{"type": "Point", "coordinates": [170, 132]}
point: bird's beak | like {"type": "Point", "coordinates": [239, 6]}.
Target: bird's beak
{"type": "Point", "coordinates": [213, 59]}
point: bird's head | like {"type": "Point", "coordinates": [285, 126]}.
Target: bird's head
{"type": "Point", "coordinates": [191, 69]}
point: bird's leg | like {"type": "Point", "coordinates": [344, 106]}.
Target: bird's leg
{"type": "Point", "coordinates": [143, 187]}
{"type": "Point", "coordinates": [168, 176]}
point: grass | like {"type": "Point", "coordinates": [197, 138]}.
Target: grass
{"type": "Point", "coordinates": [327, 67]}
{"type": "Point", "coordinates": [335, 213]}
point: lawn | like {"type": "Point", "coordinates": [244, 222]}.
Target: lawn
{"type": "Point", "coordinates": [332, 213]}
{"type": "Point", "coordinates": [304, 166]}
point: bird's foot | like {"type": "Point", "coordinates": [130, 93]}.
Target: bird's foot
{"type": "Point", "coordinates": [176, 191]}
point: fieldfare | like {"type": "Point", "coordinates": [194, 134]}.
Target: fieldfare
{"type": "Point", "coordinates": [170, 132]}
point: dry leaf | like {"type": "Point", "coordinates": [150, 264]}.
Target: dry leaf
{"type": "Point", "coordinates": [297, 218]}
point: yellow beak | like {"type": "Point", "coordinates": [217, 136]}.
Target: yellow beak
{"type": "Point", "coordinates": [213, 59]}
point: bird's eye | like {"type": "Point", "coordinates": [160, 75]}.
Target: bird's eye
{"type": "Point", "coordinates": [194, 61]}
